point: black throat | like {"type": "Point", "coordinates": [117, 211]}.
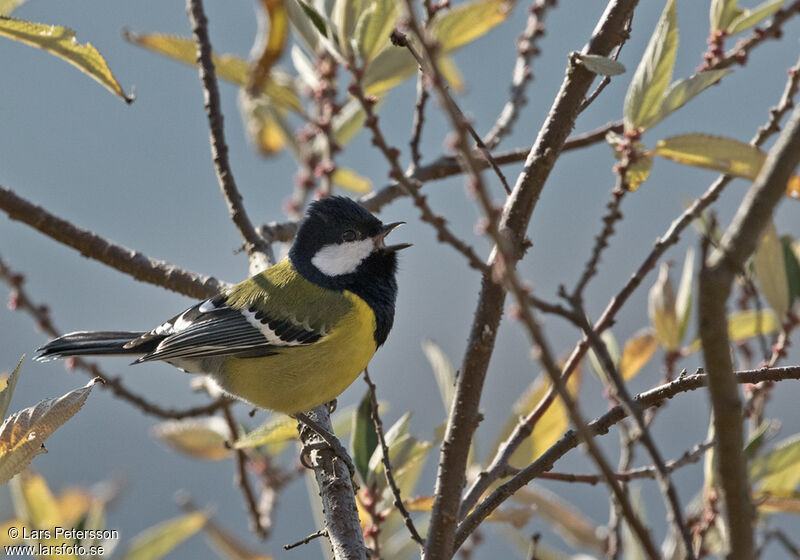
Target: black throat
{"type": "Point", "coordinates": [373, 281]}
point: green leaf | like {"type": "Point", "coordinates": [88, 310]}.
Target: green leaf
{"type": "Point", "coordinates": [61, 42]}
{"type": "Point", "coordinates": [792, 269]}
{"type": "Point", "coordinates": [8, 390]}
{"type": "Point", "coordinates": [364, 440]}
{"type": "Point", "coordinates": [201, 438]}
{"type": "Point", "coordinates": [277, 429]}
{"type": "Point", "coordinates": [602, 65]}
{"type": "Point", "coordinates": [156, 542]}
{"type": "Point", "coordinates": [352, 181]}
{"type": "Point", "coordinates": [374, 27]}
{"type": "Point", "coordinates": [719, 153]}
{"type": "Point", "coordinates": [265, 125]}
{"type": "Point", "coordinates": [348, 122]}
{"type": "Point", "coordinates": [637, 352]}
{"type": "Point", "coordinates": [652, 76]}
{"type": "Point", "coordinates": [466, 22]}
{"type": "Point", "coordinates": [390, 68]}
{"type": "Point", "coordinates": [315, 18]}
{"type": "Point", "coordinates": [770, 268]}
{"type": "Point", "coordinates": [683, 301]}
{"type": "Point", "coordinates": [443, 371]}
{"type": "Point", "coordinates": [683, 91]}
{"type": "Point", "coordinates": [723, 12]}
{"type": "Point", "coordinates": [278, 87]}
{"type": "Point", "coordinates": [613, 349]}
{"type": "Point", "coordinates": [748, 18]}
{"type": "Point", "coordinates": [345, 14]}
{"type": "Point", "coordinates": [305, 29]}
{"type": "Point", "coordinates": [778, 469]}
{"type": "Point", "coordinates": [22, 434]}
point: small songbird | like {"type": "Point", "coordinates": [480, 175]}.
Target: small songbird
{"type": "Point", "coordinates": [290, 338]}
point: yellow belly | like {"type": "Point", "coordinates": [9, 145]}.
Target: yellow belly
{"type": "Point", "coordinates": [299, 378]}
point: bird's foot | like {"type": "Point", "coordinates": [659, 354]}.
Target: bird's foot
{"type": "Point", "coordinates": [329, 441]}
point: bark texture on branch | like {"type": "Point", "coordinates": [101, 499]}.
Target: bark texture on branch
{"type": "Point", "coordinates": [716, 278]}
{"type": "Point", "coordinates": [336, 492]}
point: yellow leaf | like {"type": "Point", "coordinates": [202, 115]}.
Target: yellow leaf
{"type": "Point", "coordinates": [778, 470]}
{"type": "Point", "coordinates": [637, 352]}
{"type": "Point", "coordinates": [725, 155]}
{"type": "Point", "coordinates": [649, 83]}
{"type": "Point", "coordinates": [73, 503]}
{"type": "Point", "coordinates": [769, 265]}
{"type": "Point", "coordinates": [768, 502]}
{"type": "Point", "coordinates": [202, 438]}
{"type": "Point", "coordinates": [22, 434]}
{"type": "Point", "coordinates": [278, 87]}
{"type": "Point", "coordinates": [278, 428]}
{"type": "Point", "coordinates": [390, 68]}
{"type": "Point", "coordinates": [9, 383]}
{"type": "Point", "coordinates": [352, 181]}
{"type": "Point", "coordinates": [748, 18]}
{"type": "Point", "coordinates": [466, 22]}
{"type": "Point", "coordinates": [8, 6]}
{"type": "Point", "coordinates": [723, 12]}
{"type": "Point", "coordinates": [452, 74]}
{"type": "Point", "coordinates": [638, 171]}
{"type": "Point", "coordinates": [745, 324]}
{"type": "Point", "coordinates": [420, 503]}
{"type": "Point", "coordinates": [662, 311]}
{"type": "Point", "coordinates": [61, 42]}
{"type": "Point", "coordinates": [443, 371]}
{"type": "Point", "coordinates": [374, 26]}
{"type": "Point", "coordinates": [793, 187]}
{"type": "Point", "coordinates": [156, 542]}
{"type": "Point", "coordinates": [229, 546]}
{"type": "Point", "coordinates": [683, 91]}
{"type": "Point", "coordinates": [272, 46]}
{"type": "Point", "coordinates": [550, 426]}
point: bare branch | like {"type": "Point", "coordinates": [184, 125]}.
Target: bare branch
{"type": "Point", "coordinates": [441, 168]}
{"type": "Point", "coordinates": [257, 249]}
{"type": "Point", "coordinates": [527, 48]}
{"type": "Point", "coordinates": [652, 398]}
{"type": "Point", "coordinates": [91, 245]}
{"type": "Point", "coordinates": [691, 456]}
{"type": "Point", "coordinates": [463, 417]}
{"type": "Point", "coordinates": [716, 278]}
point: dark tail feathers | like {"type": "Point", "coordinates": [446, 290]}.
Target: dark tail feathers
{"type": "Point", "coordinates": [85, 343]}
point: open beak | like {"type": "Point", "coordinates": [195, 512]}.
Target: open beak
{"type": "Point", "coordinates": [380, 240]}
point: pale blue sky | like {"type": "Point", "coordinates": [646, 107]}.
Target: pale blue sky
{"type": "Point", "coordinates": [141, 175]}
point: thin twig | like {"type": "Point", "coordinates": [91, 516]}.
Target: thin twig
{"type": "Point", "coordinates": [257, 249]}
{"type": "Point", "coordinates": [739, 53]}
{"type": "Point", "coordinates": [691, 456]}
{"type": "Point", "coordinates": [91, 245]}
{"type": "Point", "coordinates": [306, 540]}
{"type": "Point", "coordinates": [527, 48]}
{"type": "Point", "coordinates": [653, 397]}
{"type": "Point", "coordinates": [387, 466]}
{"type": "Point", "coordinates": [19, 300]}
{"type": "Point", "coordinates": [409, 186]}
{"type": "Point", "coordinates": [400, 40]}
{"type": "Point", "coordinates": [261, 527]}
{"type": "Point", "coordinates": [418, 121]}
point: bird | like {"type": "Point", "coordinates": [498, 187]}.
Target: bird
{"type": "Point", "coordinates": [290, 338]}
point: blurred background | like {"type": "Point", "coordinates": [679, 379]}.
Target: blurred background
{"type": "Point", "coordinates": [141, 175]}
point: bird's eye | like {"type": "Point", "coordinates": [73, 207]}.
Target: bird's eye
{"type": "Point", "coordinates": [349, 235]}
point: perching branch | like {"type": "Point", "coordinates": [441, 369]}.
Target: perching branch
{"type": "Point", "coordinates": [257, 249]}
{"type": "Point", "coordinates": [336, 489]}
{"type": "Point", "coordinates": [716, 278]}
{"type": "Point", "coordinates": [91, 245]}
{"type": "Point", "coordinates": [652, 398]}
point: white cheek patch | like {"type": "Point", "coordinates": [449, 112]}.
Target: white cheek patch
{"type": "Point", "coordinates": [342, 258]}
